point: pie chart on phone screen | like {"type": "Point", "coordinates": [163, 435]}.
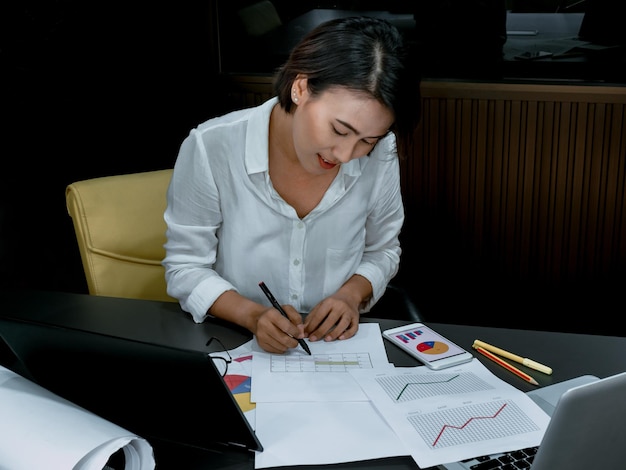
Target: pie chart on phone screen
{"type": "Point", "coordinates": [432, 347]}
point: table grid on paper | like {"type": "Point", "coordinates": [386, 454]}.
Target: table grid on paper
{"type": "Point", "coordinates": [339, 362]}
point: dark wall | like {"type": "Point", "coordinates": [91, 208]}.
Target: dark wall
{"type": "Point", "coordinates": [89, 89]}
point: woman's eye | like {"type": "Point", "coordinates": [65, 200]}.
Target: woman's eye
{"type": "Point", "coordinates": [336, 131]}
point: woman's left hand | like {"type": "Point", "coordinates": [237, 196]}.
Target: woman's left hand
{"type": "Point", "coordinates": [333, 318]}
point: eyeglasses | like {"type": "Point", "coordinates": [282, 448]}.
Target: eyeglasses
{"type": "Point", "coordinates": [221, 362]}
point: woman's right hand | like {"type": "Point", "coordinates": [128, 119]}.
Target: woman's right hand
{"type": "Point", "coordinates": [277, 334]}
{"type": "Point", "coordinates": [274, 333]}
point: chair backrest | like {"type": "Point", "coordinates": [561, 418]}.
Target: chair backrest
{"type": "Point", "coordinates": [120, 231]}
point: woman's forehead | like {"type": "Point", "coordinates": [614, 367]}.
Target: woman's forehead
{"type": "Point", "coordinates": [357, 109]}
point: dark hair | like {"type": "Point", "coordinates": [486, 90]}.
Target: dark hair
{"type": "Point", "coordinates": [362, 54]}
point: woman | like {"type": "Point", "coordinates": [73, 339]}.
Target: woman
{"type": "Point", "coordinates": [301, 192]}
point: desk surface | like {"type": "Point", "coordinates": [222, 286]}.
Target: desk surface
{"type": "Point", "coordinates": [570, 355]}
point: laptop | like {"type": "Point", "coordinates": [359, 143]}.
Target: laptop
{"type": "Point", "coordinates": [587, 429]}
{"type": "Point", "coordinates": [161, 393]}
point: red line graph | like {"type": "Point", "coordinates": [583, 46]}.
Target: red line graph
{"type": "Point", "coordinates": [466, 423]}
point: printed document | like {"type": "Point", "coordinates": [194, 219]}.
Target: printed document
{"type": "Point", "coordinates": [312, 402]}
{"type": "Point", "coordinates": [39, 429]}
{"type": "Point", "coordinates": [322, 376]}
{"type": "Point", "coordinates": [453, 414]}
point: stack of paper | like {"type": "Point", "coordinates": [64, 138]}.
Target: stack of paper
{"type": "Point", "coordinates": [39, 429]}
{"type": "Point", "coordinates": [346, 402]}
{"type": "Point", "coordinates": [309, 409]}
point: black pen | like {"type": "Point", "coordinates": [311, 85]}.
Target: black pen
{"type": "Point", "coordinates": [277, 306]}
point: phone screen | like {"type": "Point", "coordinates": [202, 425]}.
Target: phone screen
{"type": "Point", "coordinates": [425, 343]}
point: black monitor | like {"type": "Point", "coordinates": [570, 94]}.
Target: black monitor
{"type": "Point", "coordinates": [604, 22]}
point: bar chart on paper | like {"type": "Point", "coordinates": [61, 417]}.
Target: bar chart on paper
{"type": "Point", "coordinates": [337, 362]}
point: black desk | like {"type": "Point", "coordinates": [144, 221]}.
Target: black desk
{"type": "Point", "coordinates": [570, 355]}
{"type": "Point", "coordinates": [526, 32]}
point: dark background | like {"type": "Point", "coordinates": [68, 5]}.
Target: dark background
{"type": "Point", "coordinates": [89, 89]}
{"type": "Point", "coordinates": [99, 88]}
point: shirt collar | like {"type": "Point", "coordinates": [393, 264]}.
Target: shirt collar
{"type": "Point", "coordinates": [257, 137]}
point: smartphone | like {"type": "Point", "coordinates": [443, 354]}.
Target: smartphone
{"type": "Point", "coordinates": [427, 346]}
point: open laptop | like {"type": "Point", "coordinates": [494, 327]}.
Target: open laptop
{"type": "Point", "coordinates": [157, 392]}
{"type": "Point", "coordinates": [587, 429]}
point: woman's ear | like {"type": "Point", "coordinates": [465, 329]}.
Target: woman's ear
{"type": "Point", "coordinates": [299, 89]}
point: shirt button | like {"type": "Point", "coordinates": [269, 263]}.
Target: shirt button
{"type": "Point", "coordinates": [296, 262]}
{"type": "Point", "coordinates": [294, 296]}
{"type": "Point", "coordinates": [300, 224]}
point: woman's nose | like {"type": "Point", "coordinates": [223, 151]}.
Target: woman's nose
{"type": "Point", "coordinates": [345, 151]}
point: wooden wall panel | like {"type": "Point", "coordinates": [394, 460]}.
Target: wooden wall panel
{"type": "Point", "coordinates": [248, 90]}
{"type": "Point", "coordinates": [530, 177]}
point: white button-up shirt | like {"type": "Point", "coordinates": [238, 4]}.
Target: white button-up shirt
{"type": "Point", "coordinates": [228, 228]}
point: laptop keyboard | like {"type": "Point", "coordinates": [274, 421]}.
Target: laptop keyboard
{"type": "Point", "coordinates": [515, 460]}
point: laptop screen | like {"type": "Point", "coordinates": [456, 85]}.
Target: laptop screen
{"type": "Point", "coordinates": [158, 392]}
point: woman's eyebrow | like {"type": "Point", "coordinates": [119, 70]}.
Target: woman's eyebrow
{"type": "Point", "coordinates": [357, 132]}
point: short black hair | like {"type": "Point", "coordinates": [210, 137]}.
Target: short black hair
{"type": "Point", "coordinates": [363, 54]}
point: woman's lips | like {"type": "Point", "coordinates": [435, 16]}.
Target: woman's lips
{"type": "Point", "coordinates": [324, 164]}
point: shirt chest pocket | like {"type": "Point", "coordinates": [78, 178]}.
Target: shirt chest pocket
{"type": "Point", "coordinates": [340, 264]}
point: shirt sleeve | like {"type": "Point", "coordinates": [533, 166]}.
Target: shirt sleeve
{"type": "Point", "coordinates": [193, 218]}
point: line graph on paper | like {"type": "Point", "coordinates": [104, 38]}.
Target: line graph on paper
{"type": "Point", "coordinates": [471, 424]}
{"type": "Point", "coordinates": [405, 388]}
{"type": "Point", "coordinates": [338, 362]}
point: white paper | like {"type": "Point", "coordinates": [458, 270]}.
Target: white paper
{"type": "Point", "coordinates": [322, 376]}
{"type": "Point", "coordinates": [39, 429]}
{"type": "Point", "coordinates": [453, 414]}
{"type": "Point", "coordinates": [301, 433]}
{"type": "Point", "coordinates": [340, 431]}
{"type": "Point", "coordinates": [309, 409]}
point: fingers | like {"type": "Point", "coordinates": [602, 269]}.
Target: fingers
{"type": "Point", "coordinates": [277, 334]}
{"type": "Point", "coordinates": [294, 316]}
{"type": "Point", "coordinates": [330, 320]}
{"type": "Point", "coordinates": [331, 324]}
{"type": "Point", "coordinates": [277, 344]}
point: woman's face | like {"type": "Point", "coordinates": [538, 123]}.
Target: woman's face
{"type": "Point", "coordinates": [335, 126]}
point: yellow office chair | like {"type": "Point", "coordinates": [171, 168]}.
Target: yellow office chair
{"type": "Point", "coordinates": [120, 231]}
